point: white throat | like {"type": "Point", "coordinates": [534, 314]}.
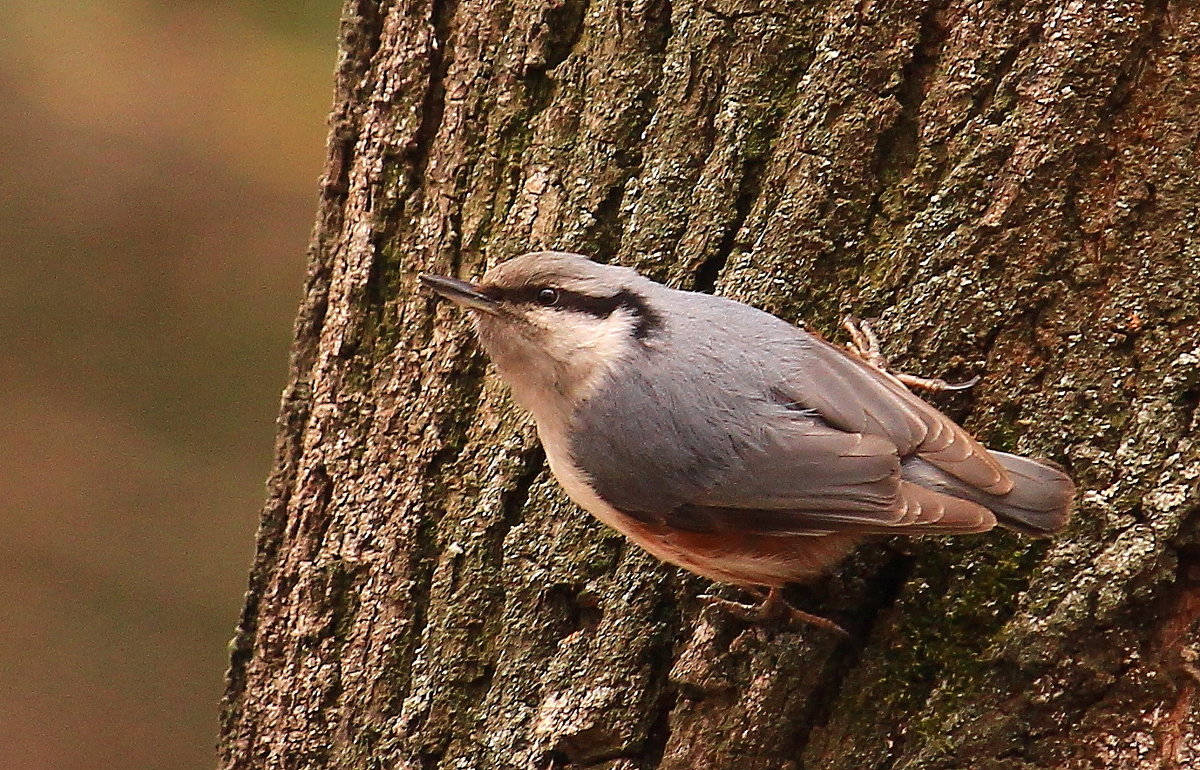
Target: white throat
{"type": "Point", "coordinates": [559, 362]}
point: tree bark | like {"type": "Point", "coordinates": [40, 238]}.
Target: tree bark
{"type": "Point", "coordinates": [1011, 188]}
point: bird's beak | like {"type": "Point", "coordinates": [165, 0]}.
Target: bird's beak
{"type": "Point", "coordinates": [460, 292]}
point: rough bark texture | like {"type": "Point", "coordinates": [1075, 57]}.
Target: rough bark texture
{"type": "Point", "coordinates": [1012, 188]}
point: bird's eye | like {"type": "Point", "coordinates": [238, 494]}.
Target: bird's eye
{"type": "Point", "coordinates": [548, 297]}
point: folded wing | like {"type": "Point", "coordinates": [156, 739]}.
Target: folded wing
{"type": "Point", "coordinates": [806, 478]}
{"type": "Point", "coordinates": [851, 395]}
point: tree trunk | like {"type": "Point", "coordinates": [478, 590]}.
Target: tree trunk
{"type": "Point", "coordinates": [1011, 188]}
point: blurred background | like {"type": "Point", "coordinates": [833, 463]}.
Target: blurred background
{"type": "Point", "coordinates": [158, 177]}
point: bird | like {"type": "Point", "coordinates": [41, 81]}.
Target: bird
{"type": "Point", "coordinates": [729, 442]}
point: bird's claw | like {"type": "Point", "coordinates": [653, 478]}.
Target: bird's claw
{"type": "Point", "coordinates": [771, 606]}
{"type": "Point", "coordinates": [864, 343]}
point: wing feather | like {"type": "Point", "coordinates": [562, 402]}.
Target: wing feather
{"type": "Point", "coordinates": [852, 395]}
{"type": "Point", "coordinates": [807, 478]}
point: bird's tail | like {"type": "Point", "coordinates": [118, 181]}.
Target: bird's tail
{"type": "Point", "coordinates": [1039, 503]}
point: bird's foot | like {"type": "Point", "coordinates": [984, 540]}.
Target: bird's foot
{"type": "Point", "coordinates": [771, 606]}
{"type": "Point", "coordinates": [864, 343]}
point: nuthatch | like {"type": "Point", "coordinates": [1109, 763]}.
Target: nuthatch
{"type": "Point", "coordinates": [727, 441]}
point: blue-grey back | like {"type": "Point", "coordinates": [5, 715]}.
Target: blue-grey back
{"type": "Point", "coordinates": [693, 399]}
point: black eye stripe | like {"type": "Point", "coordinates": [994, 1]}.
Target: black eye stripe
{"type": "Point", "coordinates": [646, 319]}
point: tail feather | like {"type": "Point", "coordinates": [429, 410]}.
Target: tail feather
{"type": "Point", "coordinates": [1038, 504]}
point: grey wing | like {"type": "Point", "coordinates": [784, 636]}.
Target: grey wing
{"type": "Point", "coordinates": [806, 478]}
{"type": "Point", "coordinates": [712, 452]}
{"type": "Point", "coordinates": [851, 395]}
{"type": "Point", "coordinates": [661, 448]}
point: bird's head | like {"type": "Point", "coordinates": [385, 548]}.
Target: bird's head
{"type": "Point", "coordinates": [554, 323]}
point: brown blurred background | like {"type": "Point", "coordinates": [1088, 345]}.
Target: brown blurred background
{"type": "Point", "coordinates": [157, 187]}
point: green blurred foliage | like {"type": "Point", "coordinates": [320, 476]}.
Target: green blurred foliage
{"type": "Point", "coordinates": [159, 177]}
